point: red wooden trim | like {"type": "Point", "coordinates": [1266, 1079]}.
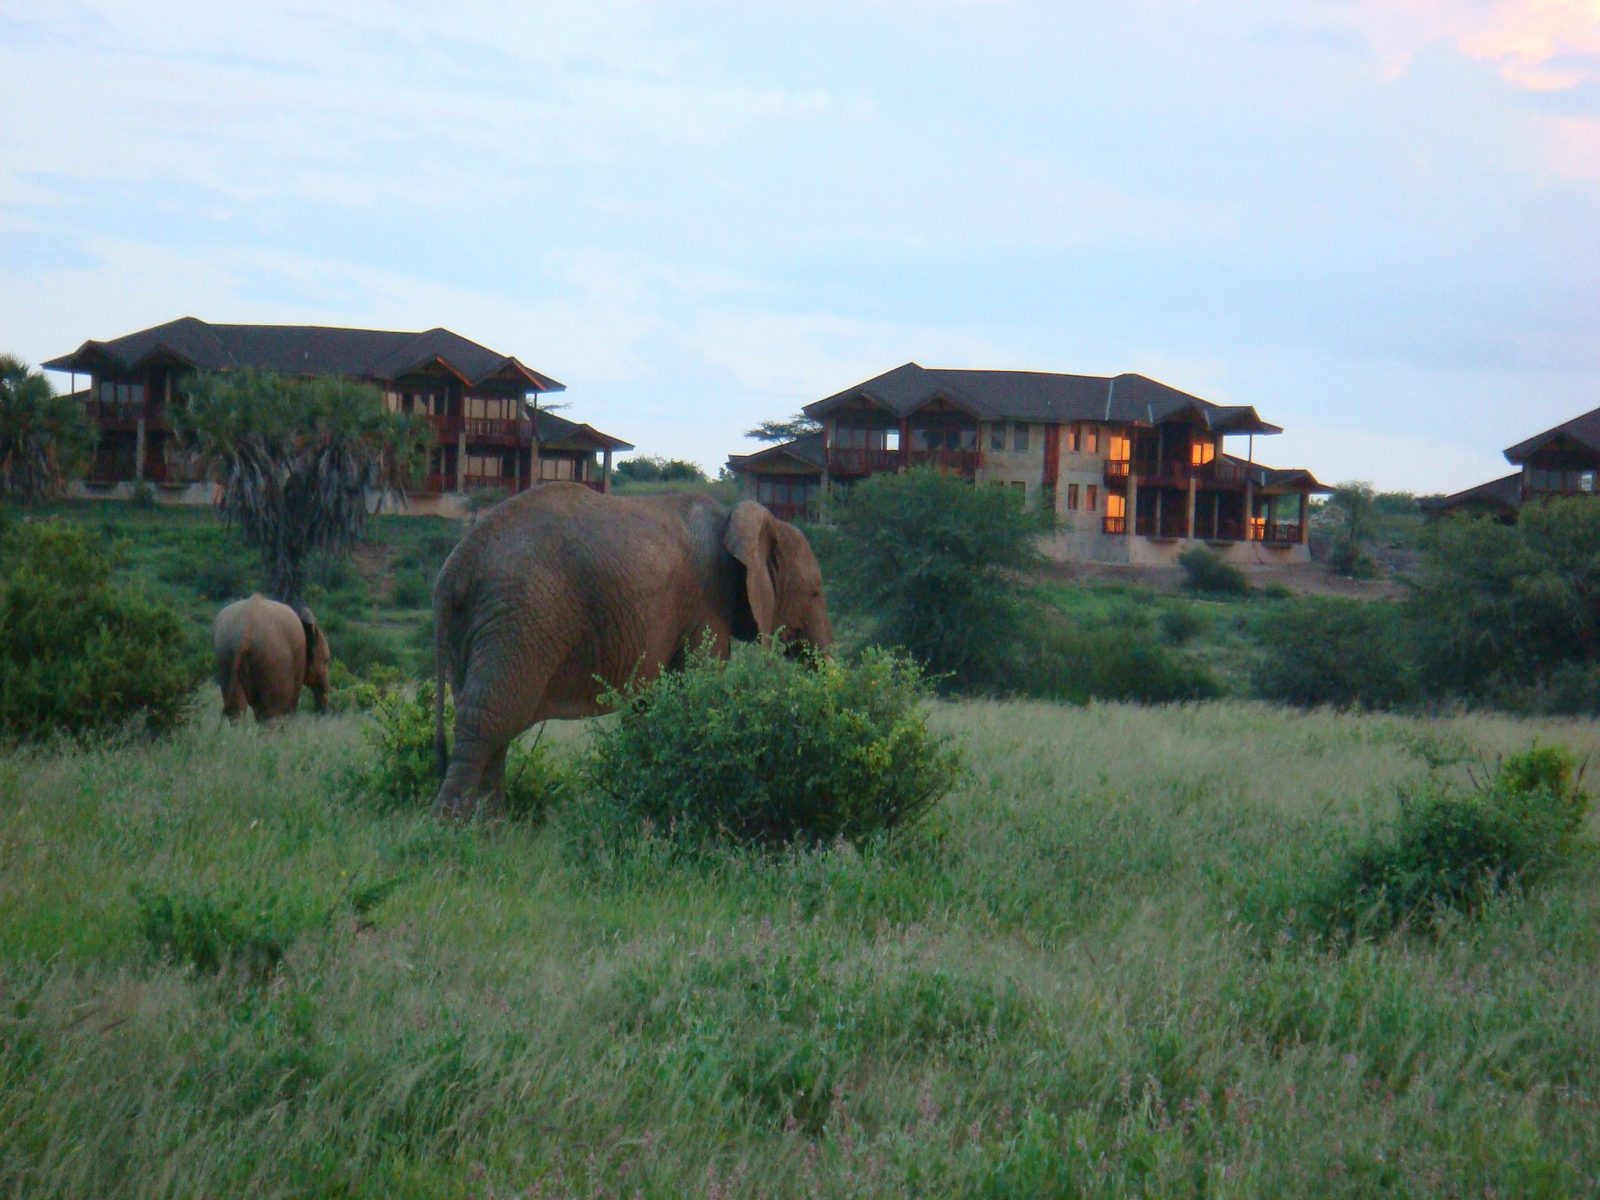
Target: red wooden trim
{"type": "Point", "coordinates": [1052, 455]}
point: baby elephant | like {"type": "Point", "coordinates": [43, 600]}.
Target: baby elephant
{"type": "Point", "coordinates": [266, 652]}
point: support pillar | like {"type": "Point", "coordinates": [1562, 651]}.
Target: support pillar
{"type": "Point", "coordinates": [1188, 528]}
{"type": "Point", "coordinates": [1249, 508]}
{"type": "Point", "coordinates": [1131, 513]}
{"type": "Point", "coordinates": [139, 449]}
{"type": "Point", "coordinates": [905, 443]}
{"type": "Point", "coordinates": [1305, 512]}
{"type": "Point", "coordinates": [605, 470]}
{"type": "Point", "coordinates": [461, 461]}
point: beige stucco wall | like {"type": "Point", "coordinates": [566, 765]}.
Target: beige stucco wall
{"type": "Point", "coordinates": [1009, 466]}
{"type": "Point", "coordinates": [1074, 544]}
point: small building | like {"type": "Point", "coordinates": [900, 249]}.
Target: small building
{"type": "Point", "coordinates": [1134, 470]}
{"type": "Point", "coordinates": [1563, 461]}
{"type": "Point", "coordinates": [487, 431]}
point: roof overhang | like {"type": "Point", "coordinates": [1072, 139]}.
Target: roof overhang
{"type": "Point", "coordinates": [1555, 439]}
{"type": "Point", "coordinates": [860, 397]}
{"type": "Point", "coordinates": [512, 369]}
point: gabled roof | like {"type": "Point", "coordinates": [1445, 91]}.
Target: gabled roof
{"type": "Point", "coordinates": [304, 350]}
{"type": "Point", "coordinates": [558, 433]}
{"type": "Point", "coordinates": [1278, 479]}
{"type": "Point", "coordinates": [1041, 396]}
{"type": "Point", "coordinates": [805, 451]}
{"type": "Point", "coordinates": [1583, 430]}
{"type": "Point", "coordinates": [1504, 494]}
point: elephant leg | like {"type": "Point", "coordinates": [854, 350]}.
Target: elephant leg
{"type": "Point", "coordinates": [495, 706]}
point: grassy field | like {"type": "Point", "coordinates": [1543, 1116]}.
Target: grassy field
{"type": "Point", "coordinates": [1067, 984]}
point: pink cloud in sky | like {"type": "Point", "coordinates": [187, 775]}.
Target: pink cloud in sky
{"type": "Point", "coordinates": [1545, 45]}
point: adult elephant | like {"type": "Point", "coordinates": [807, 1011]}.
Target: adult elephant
{"type": "Point", "coordinates": [266, 652]}
{"type": "Point", "coordinates": [561, 586]}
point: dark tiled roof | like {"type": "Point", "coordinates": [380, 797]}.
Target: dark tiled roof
{"type": "Point", "coordinates": [1504, 494]}
{"type": "Point", "coordinates": [559, 433]}
{"type": "Point", "coordinates": [807, 451]}
{"type": "Point", "coordinates": [303, 350]}
{"type": "Point", "coordinates": [1278, 479]}
{"type": "Point", "coordinates": [1584, 430]}
{"type": "Point", "coordinates": [1041, 396]}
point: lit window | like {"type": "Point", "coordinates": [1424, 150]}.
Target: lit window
{"type": "Point", "coordinates": [1091, 439]}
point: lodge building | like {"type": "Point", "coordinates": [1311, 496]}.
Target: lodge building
{"type": "Point", "coordinates": [487, 430]}
{"type": "Point", "coordinates": [1134, 470]}
{"type": "Point", "coordinates": [1562, 461]}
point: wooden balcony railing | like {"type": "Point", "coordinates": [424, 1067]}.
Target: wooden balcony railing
{"type": "Point", "coordinates": [504, 483]}
{"type": "Point", "coordinates": [1117, 468]}
{"type": "Point", "coordinates": [113, 416]}
{"type": "Point", "coordinates": [1225, 531]}
{"type": "Point", "coordinates": [791, 510]}
{"type": "Point", "coordinates": [1280, 533]}
{"type": "Point", "coordinates": [445, 427]}
{"type": "Point", "coordinates": [958, 462]}
{"type": "Point", "coordinates": [1175, 474]}
{"type": "Point", "coordinates": [855, 461]}
{"type": "Point", "coordinates": [484, 429]}
{"type": "Point", "coordinates": [1115, 525]}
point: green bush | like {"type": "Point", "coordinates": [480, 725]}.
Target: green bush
{"type": "Point", "coordinates": [412, 590]}
{"type": "Point", "coordinates": [212, 931]}
{"type": "Point", "coordinates": [1207, 571]}
{"type": "Point", "coordinates": [363, 651]}
{"type": "Point", "coordinates": [399, 771]}
{"type": "Point", "coordinates": [79, 654]}
{"type": "Point", "coordinates": [1180, 624]}
{"type": "Point", "coordinates": [765, 750]}
{"type": "Point", "coordinates": [1452, 849]}
{"type": "Point", "coordinates": [142, 494]}
{"type": "Point", "coordinates": [1108, 661]}
{"type": "Point", "coordinates": [219, 578]}
{"type": "Point", "coordinates": [1340, 653]}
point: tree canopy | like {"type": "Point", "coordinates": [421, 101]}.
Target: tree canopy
{"type": "Point", "coordinates": [928, 561]}
{"type": "Point", "coordinates": [297, 460]}
{"type": "Point", "coordinates": [44, 437]}
{"type": "Point", "coordinates": [655, 469]}
{"type": "Point", "coordinates": [786, 430]}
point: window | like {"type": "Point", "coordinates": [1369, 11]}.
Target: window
{"type": "Point", "coordinates": [1074, 437]}
{"type": "Point", "coordinates": [1072, 497]}
{"type": "Point", "coordinates": [1092, 497]}
{"type": "Point", "coordinates": [1091, 439]}
{"type": "Point", "coordinates": [1116, 505]}
{"type": "Point", "coordinates": [488, 466]}
{"type": "Point", "coordinates": [1201, 453]}
{"type": "Point", "coordinates": [1019, 436]}
{"type": "Point", "coordinates": [997, 436]}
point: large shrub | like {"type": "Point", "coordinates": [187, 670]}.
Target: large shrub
{"type": "Point", "coordinates": [926, 562]}
{"type": "Point", "coordinates": [767, 750]}
{"type": "Point", "coordinates": [1207, 571]}
{"type": "Point", "coordinates": [1339, 653]}
{"type": "Point", "coordinates": [80, 654]}
{"type": "Point", "coordinates": [1116, 660]}
{"type": "Point", "coordinates": [1451, 849]}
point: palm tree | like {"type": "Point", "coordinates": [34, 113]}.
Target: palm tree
{"type": "Point", "coordinates": [43, 437]}
{"type": "Point", "coordinates": [297, 460]}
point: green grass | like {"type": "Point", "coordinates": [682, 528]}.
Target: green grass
{"type": "Point", "coordinates": [1066, 984]}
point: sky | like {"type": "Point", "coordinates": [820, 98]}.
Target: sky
{"type": "Point", "coordinates": [1377, 221]}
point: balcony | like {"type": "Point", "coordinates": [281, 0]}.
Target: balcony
{"type": "Point", "coordinates": [113, 416]}
{"type": "Point", "coordinates": [1225, 531]}
{"type": "Point", "coordinates": [791, 510]}
{"type": "Point", "coordinates": [956, 462]}
{"type": "Point", "coordinates": [1115, 525]}
{"type": "Point", "coordinates": [1279, 533]}
{"type": "Point", "coordinates": [1171, 526]}
{"type": "Point", "coordinates": [1117, 469]}
{"type": "Point", "coordinates": [502, 432]}
{"type": "Point", "coordinates": [476, 483]}
{"type": "Point", "coordinates": [856, 461]}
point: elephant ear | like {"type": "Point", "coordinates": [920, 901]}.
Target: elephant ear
{"type": "Point", "coordinates": [749, 538]}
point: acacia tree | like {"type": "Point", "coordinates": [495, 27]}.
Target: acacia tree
{"type": "Point", "coordinates": [797, 426]}
{"type": "Point", "coordinates": [297, 460]}
{"type": "Point", "coordinates": [43, 437]}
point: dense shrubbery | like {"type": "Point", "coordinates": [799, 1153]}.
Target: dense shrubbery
{"type": "Point", "coordinates": [655, 469]}
{"type": "Point", "coordinates": [399, 771]}
{"type": "Point", "coordinates": [1450, 850]}
{"type": "Point", "coordinates": [1340, 653]}
{"type": "Point", "coordinates": [1208, 571]}
{"type": "Point", "coordinates": [78, 654]}
{"type": "Point", "coordinates": [766, 750]}
{"type": "Point", "coordinates": [1113, 660]}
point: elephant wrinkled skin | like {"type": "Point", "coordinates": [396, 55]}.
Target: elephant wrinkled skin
{"type": "Point", "coordinates": [561, 585]}
{"type": "Point", "coordinates": [266, 652]}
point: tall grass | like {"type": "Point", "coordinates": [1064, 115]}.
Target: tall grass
{"type": "Point", "coordinates": [1066, 983]}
